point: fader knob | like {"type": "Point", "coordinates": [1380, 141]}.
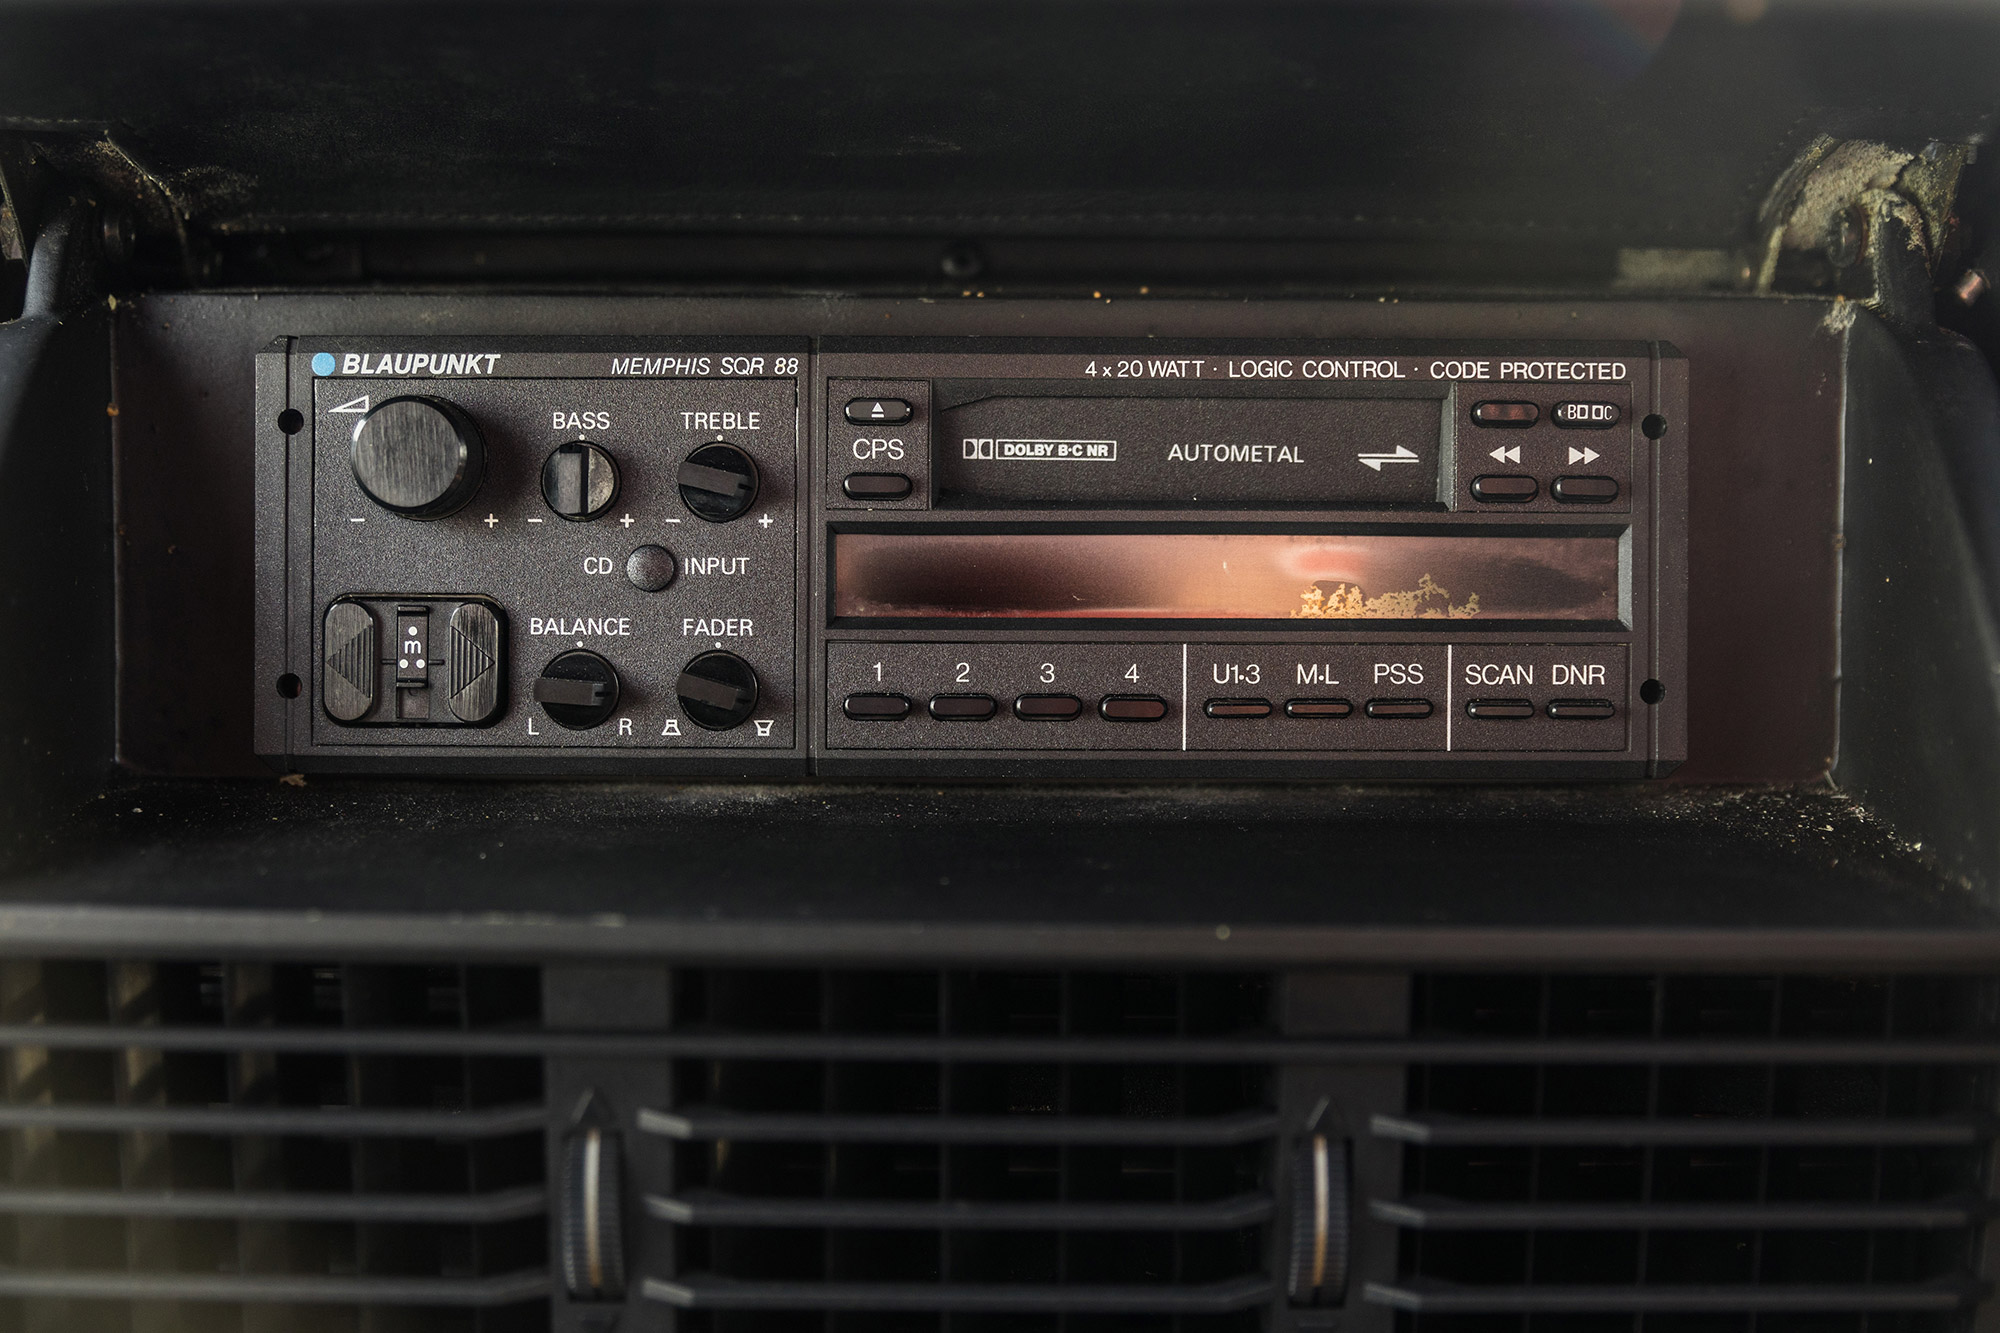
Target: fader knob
{"type": "Point", "coordinates": [718, 691]}
{"type": "Point", "coordinates": [418, 457]}
{"type": "Point", "coordinates": [718, 482]}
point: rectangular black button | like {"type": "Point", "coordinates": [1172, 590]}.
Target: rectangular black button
{"type": "Point", "coordinates": [963, 707]}
{"type": "Point", "coordinates": [1398, 708]}
{"type": "Point", "coordinates": [1047, 707]}
{"type": "Point", "coordinates": [1237, 708]}
{"type": "Point", "coordinates": [1581, 710]}
{"type": "Point", "coordinates": [876, 707]}
{"type": "Point", "coordinates": [1505, 490]}
{"type": "Point", "coordinates": [1585, 490]}
{"type": "Point", "coordinates": [1131, 708]}
{"type": "Point", "coordinates": [1508, 710]}
{"type": "Point", "coordinates": [876, 486]}
{"type": "Point", "coordinates": [1318, 708]}
{"type": "Point", "coordinates": [1510, 416]}
{"type": "Point", "coordinates": [1584, 416]}
{"type": "Point", "coordinates": [878, 411]}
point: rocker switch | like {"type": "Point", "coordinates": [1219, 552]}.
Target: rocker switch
{"type": "Point", "coordinates": [413, 662]}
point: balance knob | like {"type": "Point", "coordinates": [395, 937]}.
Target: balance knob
{"type": "Point", "coordinates": [718, 691]}
{"type": "Point", "coordinates": [718, 482]}
{"type": "Point", "coordinates": [579, 481]}
{"type": "Point", "coordinates": [578, 690]}
{"type": "Point", "coordinates": [418, 457]}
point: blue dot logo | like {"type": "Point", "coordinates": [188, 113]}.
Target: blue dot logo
{"type": "Point", "coordinates": [323, 363]}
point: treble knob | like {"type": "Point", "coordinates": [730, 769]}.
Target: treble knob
{"type": "Point", "coordinates": [418, 457]}
{"type": "Point", "coordinates": [718, 482]}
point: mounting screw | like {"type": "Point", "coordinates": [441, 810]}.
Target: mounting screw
{"type": "Point", "coordinates": [115, 234]}
{"type": "Point", "coordinates": [1847, 237]}
{"type": "Point", "coordinates": [961, 260]}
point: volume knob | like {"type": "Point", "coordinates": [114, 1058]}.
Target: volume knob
{"type": "Point", "coordinates": [418, 457]}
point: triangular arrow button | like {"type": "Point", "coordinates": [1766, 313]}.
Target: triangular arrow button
{"type": "Point", "coordinates": [1577, 455]}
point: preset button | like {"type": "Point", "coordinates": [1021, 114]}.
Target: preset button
{"type": "Point", "coordinates": [876, 707]}
{"type": "Point", "coordinates": [1398, 708]}
{"type": "Point", "coordinates": [1047, 707]}
{"type": "Point", "coordinates": [963, 707]}
{"type": "Point", "coordinates": [1132, 708]}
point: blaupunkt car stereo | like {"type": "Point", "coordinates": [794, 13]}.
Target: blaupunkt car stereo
{"type": "Point", "coordinates": [974, 557]}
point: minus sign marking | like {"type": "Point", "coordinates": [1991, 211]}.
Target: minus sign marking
{"type": "Point", "coordinates": [534, 520]}
{"type": "Point", "coordinates": [357, 520]}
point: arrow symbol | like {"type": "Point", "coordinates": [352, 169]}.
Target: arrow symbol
{"type": "Point", "coordinates": [1507, 455]}
{"type": "Point", "coordinates": [1375, 461]}
{"type": "Point", "coordinates": [1577, 455]}
{"type": "Point", "coordinates": [356, 405]}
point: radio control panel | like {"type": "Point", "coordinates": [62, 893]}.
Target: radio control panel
{"type": "Point", "coordinates": [971, 558]}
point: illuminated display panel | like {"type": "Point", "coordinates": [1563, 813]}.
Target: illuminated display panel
{"type": "Point", "coordinates": [1224, 576]}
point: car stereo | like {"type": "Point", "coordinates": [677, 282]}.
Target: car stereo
{"type": "Point", "coordinates": [972, 557]}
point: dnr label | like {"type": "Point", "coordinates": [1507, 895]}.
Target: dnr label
{"type": "Point", "coordinates": [1051, 451]}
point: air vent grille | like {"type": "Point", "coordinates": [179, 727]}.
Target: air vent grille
{"type": "Point", "coordinates": [970, 1191]}
{"type": "Point", "coordinates": [1708, 1190]}
{"type": "Point", "coordinates": [190, 1185]}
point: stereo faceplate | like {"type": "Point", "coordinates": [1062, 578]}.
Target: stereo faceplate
{"type": "Point", "coordinates": [976, 557]}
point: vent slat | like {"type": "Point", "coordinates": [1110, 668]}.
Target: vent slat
{"type": "Point", "coordinates": [1456, 1131]}
{"type": "Point", "coordinates": [317, 1122]}
{"type": "Point", "coordinates": [286, 1289]}
{"type": "Point", "coordinates": [704, 1126]}
{"type": "Point", "coordinates": [542, 1042]}
{"type": "Point", "coordinates": [469, 1209]}
{"type": "Point", "coordinates": [702, 1208]}
{"type": "Point", "coordinates": [695, 1293]}
{"type": "Point", "coordinates": [1452, 1215]}
{"type": "Point", "coordinates": [1433, 1297]}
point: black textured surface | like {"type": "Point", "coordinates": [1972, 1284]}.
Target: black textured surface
{"type": "Point", "coordinates": [1302, 871]}
{"type": "Point", "coordinates": [1595, 125]}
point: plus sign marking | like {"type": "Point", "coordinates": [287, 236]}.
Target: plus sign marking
{"type": "Point", "coordinates": [626, 521]}
{"type": "Point", "coordinates": [490, 522]}
{"type": "Point", "coordinates": [764, 521]}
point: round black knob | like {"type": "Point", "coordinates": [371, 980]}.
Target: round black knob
{"type": "Point", "coordinates": [718, 691]}
{"type": "Point", "coordinates": [418, 457]}
{"type": "Point", "coordinates": [579, 481]}
{"type": "Point", "coordinates": [578, 690]}
{"type": "Point", "coordinates": [718, 482]}
{"type": "Point", "coordinates": [651, 568]}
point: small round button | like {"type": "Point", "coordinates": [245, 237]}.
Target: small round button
{"type": "Point", "coordinates": [718, 691]}
{"type": "Point", "coordinates": [418, 457]}
{"type": "Point", "coordinates": [651, 568]}
{"type": "Point", "coordinates": [579, 481]}
{"type": "Point", "coordinates": [578, 690]}
{"type": "Point", "coordinates": [718, 482]}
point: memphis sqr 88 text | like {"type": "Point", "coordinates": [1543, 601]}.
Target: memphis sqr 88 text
{"type": "Point", "coordinates": [971, 558]}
